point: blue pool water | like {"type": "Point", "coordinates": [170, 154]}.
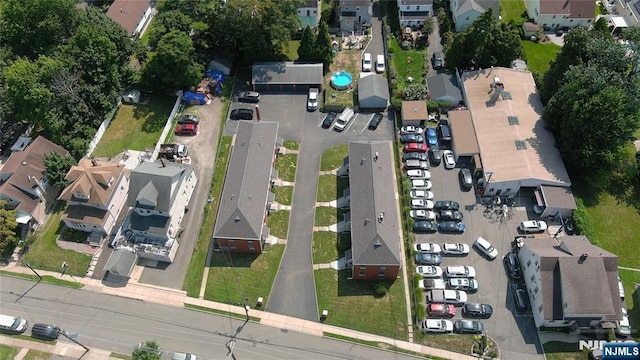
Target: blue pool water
{"type": "Point", "coordinates": [341, 80]}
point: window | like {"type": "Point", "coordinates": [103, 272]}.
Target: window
{"type": "Point", "coordinates": [513, 120]}
{"type": "Point", "coordinates": [540, 308]}
{"type": "Point", "coordinates": [529, 263]}
{"type": "Point", "coordinates": [521, 145]}
{"type": "Point", "coordinates": [251, 245]}
{"type": "Point", "coordinates": [361, 274]}
{"type": "Point", "coordinates": [418, 7]}
{"type": "Point", "coordinates": [308, 13]}
{"type": "Point", "coordinates": [535, 291]}
{"type": "Point", "coordinates": [553, 17]}
{"type": "Point", "coordinates": [533, 278]}
{"type": "Point", "coordinates": [363, 267]}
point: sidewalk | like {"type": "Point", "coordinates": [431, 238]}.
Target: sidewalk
{"type": "Point", "coordinates": [178, 298]}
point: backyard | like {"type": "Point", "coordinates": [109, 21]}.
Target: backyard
{"type": "Point", "coordinates": [539, 55]}
{"type": "Point", "coordinates": [135, 126]}
{"type": "Point", "coordinates": [334, 157]}
{"type": "Point", "coordinates": [409, 65]}
{"type": "Point", "coordinates": [329, 246]}
{"type": "Point", "coordinates": [512, 10]}
{"type": "Point", "coordinates": [349, 61]}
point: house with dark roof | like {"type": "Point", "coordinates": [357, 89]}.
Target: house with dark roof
{"type": "Point", "coordinates": [159, 194]}
{"type": "Point", "coordinates": [373, 216]}
{"type": "Point", "coordinates": [96, 193]}
{"type": "Point", "coordinates": [555, 202]}
{"type": "Point", "coordinates": [133, 15]}
{"type": "Point", "coordinates": [246, 194]}
{"type": "Point", "coordinates": [465, 12]}
{"type": "Point", "coordinates": [354, 14]}
{"type": "Point", "coordinates": [443, 87]}
{"type": "Point", "coordinates": [22, 181]}
{"type": "Point", "coordinates": [555, 14]}
{"type": "Point", "coordinates": [286, 76]}
{"type": "Point", "coordinates": [571, 283]}
{"type": "Point", "coordinates": [373, 92]}
{"type": "Point", "coordinates": [309, 13]}
{"type": "Point", "coordinates": [414, 12]}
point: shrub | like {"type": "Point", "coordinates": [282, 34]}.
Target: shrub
{"type": "Point", "coordinates": [415, 91]}
{"type": "Point", "coordinates": [406, 45]}
{"type": "Point", "coordinates": [421, 313]}
{"type": "Point", "coordinates": [381, 289]}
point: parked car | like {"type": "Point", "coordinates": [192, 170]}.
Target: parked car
{"type": "Point", "coordinates": [444, 131]}
{"type": "Point", "coordinates": [437, 61]}
{"type": "Point", "coordinates": [429, 271]}
{"type": "Point", "coordinates": [512, 265]}
{"type": "Point", "coordinates": [486, 248]}
{"type": "Point", "coordinates": [436, 326]}
{"type": "Point", "coordinates": [241, 114]}
{"type": "Point", "coordinates": [415, 147]}
{"type": "Point", "coordinates": [312, 99]}
{"type": "Point", "coordinates": [411, 138]}
{"type": "Point", "coordinates": [452, 227]}
{"type": "Point", "coordinates": [455, 297]}
{"type": "Point", "coordinates": [188, 119]}
{"type": "Point", "coordinates": [449, 160]}
{"type": "Point", "coordinates": [186, 129]}
{"type": "Point", "coordinates": [183, 356]}
{"type": "Point", "coordinates": [17, 325]}
{"type": "Point", "coordinates": [421, 194]}
{"type": "Point", "coordinates": [425, 226]}
{"type": "Point", "coordinates": [414, 156]}
{"type": "Point", "coordinates": [419, 174]}
{"type": "Point", "coordinates": [380, 64]}
{"type": "Point", "coordinates": [520, 298]}
{"type": "Point", "coordinates": [45, 332]}
{"type": "Point", "coordinates": [419, 184]}
{"type": "Point", "coordinates": [432, 136]}
{"type": "Point", "coordinates": [623, 328]}
{"type": "Point", "coordinates": [427, 259]}
{"type": "Point", "coordinates": [249, 97]}
{"type": "Point", "coordinates": [344, 119]}
{"type": "Point", "coordinates": [455, 249]}
{"type": "Point", "coordinates": [477, 310]}
{"type": "Point", "coordinates": [447, 205]}
{"type": "Point", "coordinates": [410, 129]}
{"type": "Point", "coordinates": [450, 215]}
{"type": "Point", "coordinates": [460, 271]}
{"type": "Point", "coordinates": [422, 214]}
{"type": "Point", "coordinates": [432, 284]}
{"type": "Point", "coordinates": [375, 121]}
{"type": "Point", "coordinates": [421, 204]}
{"type": "Point", "coordinates": [435, 156]}
{"type": "Point", "coordinates": [532, 226]}
{"type": "Point", "coordinates": [466, 182]}
{"type": "Point", "coordinates": [328, 120]}
{"type": "Point", "coordinates": [468, 327]}
{"type": "Point", "coordinates": [441, 310]}
{"type": "Point", "coordinates": [466, 284]}
{"type": "Point", "coordinates": [366, 62]}
{"type": "Point", "coordinates": [416, 164]}
{"type": "Point", "coordinates": [429, 248]}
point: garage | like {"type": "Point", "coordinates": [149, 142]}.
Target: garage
{"type": "Point", "coordinates": [286, 77]}
{"type": "Point", "coordinates": [465, 142]}
{"type": "Point", "coordinates": [373, 92]}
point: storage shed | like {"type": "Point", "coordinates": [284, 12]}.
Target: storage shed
{"type": "Point", "coordinates": [286, 76]}
{"type": "Point", "coordinates": [373, 92]}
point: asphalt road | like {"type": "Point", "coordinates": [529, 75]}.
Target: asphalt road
{"type": "Point", "coordinates": [118, 324]}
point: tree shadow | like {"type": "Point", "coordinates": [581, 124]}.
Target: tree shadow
{"type": "Point", "coordinates": [227, 259]}
{"type": "Point", "coordinates": [349, 287]}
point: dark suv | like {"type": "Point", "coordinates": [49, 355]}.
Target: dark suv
{"type": "Point", "coordinates": [328, 120]}
{"type": "Point", "coordinates": [249, 97]}
{"type": "Point", "coordinates": [466, 183]}
{"type": "Point", "coordinates": [520, 298]}
{"type": "Point", "coordinates": [244, 114]}
{"type": "Point", "coordinates": [45, 332]}
{"type": "Point", "coordinates": [512, 265]}
{"type": "Point", "coordinates": [188, 119]}
{"type": "Point", "coordinates": [375, 121]}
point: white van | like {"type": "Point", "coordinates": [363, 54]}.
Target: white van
{"type": "Point", "coordinates": [13, 324]}
{"type": "Point", "coordinates": [366, 62]}
{"type": "Point", "coordinates": [344, 119]}
{"type": "Point", "coordinates": [380, 64]}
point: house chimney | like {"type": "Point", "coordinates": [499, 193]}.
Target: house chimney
{"type": "Point", "coordinates": [362, 161]}
{"type": "Point", "coordinates": [375, 157]}
{"type": "Point", "coordinates": [583, 257]}
{"type": "Point", "coordinates": [94, 162]}
{"type": "Point", "coordinates": [381, 217]}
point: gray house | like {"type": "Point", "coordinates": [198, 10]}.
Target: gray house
{"type": "Point", "coordinates": [373, 92]}
{"type": "Point", "coordinates": [246, 195]}
{"type": "Point", "coordinates": [286, 76]}
{"type": "Point", "coordinates": [159, 194]}
{"type": "Point", "coordinates": [464, 12]}
{"type": "Point", "coordinates": [375, 231]}
{"type": "Point", "coordinates": [355, 14]}
{"type": "Point", "coordinates": [443, 87]}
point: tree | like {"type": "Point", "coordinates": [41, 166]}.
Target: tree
{"type": "Point", "coordinates": [307, 50]}
{"type": "Point", "coordinates": [167, 21]}
{"type": "Point", "coordinates": [601, 27]}
{"type": "Point", "coordinates": [147, 351]}
{"type": "Point", "coordinates": [324, 49]}
{"type": "Point", "coordinates": [428, 27]}
{"type": "Point", "coordinates": [8, 225]}
{"type": "Point", "coordinates": [56, 169]}
{"type": "Point", "coordinates": [415, 91]}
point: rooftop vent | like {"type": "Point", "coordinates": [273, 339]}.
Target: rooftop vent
{"type": "Point", "coordinates": [236, 219]}
{"type": "Point", "coordinates": [521, 145]}
{"type": "Point", "coordinates": [583, 257]}
{"type": "Point", "coordinates": [375, 156]}
{"type": "Point", "coordinates": [377, 244]}
{"type": "Point", "coordinates": [362, 161]}
{"type": "Point", "coordinates": [380, 217]}
{"type": "Point", "coordinates": [513, 120]}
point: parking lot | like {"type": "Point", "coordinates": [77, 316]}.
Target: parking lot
{"type": "Point", "coordinates": [514, 333]}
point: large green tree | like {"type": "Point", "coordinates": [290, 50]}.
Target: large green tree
{"type": "Point", "coordinates": [56, 169]}
{"type": "Point", "coordinates": [306, 50]}
{"type": "Point", "coordinates": [8, 225]}
{"type": "Point", "coordinates": [324, 49]}
{"type": "Point", "coordinates": [147, 351]}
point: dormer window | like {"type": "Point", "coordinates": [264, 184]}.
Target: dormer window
{"type": "Point", "coordinates": [80, 195]}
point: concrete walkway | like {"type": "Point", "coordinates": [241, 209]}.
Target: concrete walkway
{"type": "Point", "coordinates": [178, 298]}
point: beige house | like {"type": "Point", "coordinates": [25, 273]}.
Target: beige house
{"type": "Point", "coordinates": [414, 112]}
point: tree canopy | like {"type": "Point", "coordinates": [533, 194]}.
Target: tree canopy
{"type": "Point", "coordinates": [147, 351]}
{"type": "Point", "coordinates": [306, 50]}
{"type": "Point", "coordinates": [56, 169]}
{"type": "Point", "coordinates": [8, 225]}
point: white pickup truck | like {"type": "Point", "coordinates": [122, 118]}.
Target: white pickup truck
{"type": "Point", "coordinates": [312, 100]}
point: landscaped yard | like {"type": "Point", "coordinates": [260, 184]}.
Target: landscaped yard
{"type": "Point", "coordinates": [325, 247]}
{"type": "Point", "coordinates": [539, 55]}
{"type": "Point", "coordinates": [334, 157]}
{"type": "Point", "coordinates": [555, 350]}
{"type": "Point", "coordinates": [286, 166]}
{"type": "Point", "coordinates": [284, 194]}
{"type": "Point", "coordinates": [290, 50]}
{"type": "Point", "coordinates": [291, 145]}
{"type": "Point", "coordinates": [37, 355]}
{"type": "Point", "coordinates": [135, 126]}
{"type": "Point", "coordinates": [278, 223]}
{"type": "Point", "coordinates": [245, 275]}
{"type": "Point", "coordinates": [46, 255]}
{"type": "Point", "coordinates": [356, 305]}
{"type": "Point", "coordinates": [512, 10]}
{"type": "Point", "coordinates": [407, 63]}
{"type": "Point", "coordinates": [326, 215]}
{"type": "Point", "coordinates": [349, 61]}
{"type": "Point", "coordinates": [456, 343]}
{"type": "Point", "coordinates": [8, 352]}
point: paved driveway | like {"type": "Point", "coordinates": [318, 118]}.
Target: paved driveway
{"type": "Point", "coordinates": [515, 334]}
{"type": "Point", "coordinates": [435, 45]}
{"type": "Point", "coordinates": [202, 149]}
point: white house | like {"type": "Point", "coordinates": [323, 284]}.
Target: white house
{"type": "Point", "coordinates": [414, 12]}
{"type": "Point", "coordinates": [554, 14]}
{"type": "Point", "coordinates": [133, 15]}
{"type": "Point", "coordinates": [630, 9]}
{"type": "Point", "coordinates": [465, 12]}
{"type": "Point", "coordinates": [354, 14]}
{"type": "Point", "coordinates": [309, 13]}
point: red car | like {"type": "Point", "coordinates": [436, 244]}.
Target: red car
{"type": "Point", "coordinates": [415, 147]}
{"type": "Point", "coordinates": [187, 129]}
{"type": "Point", "coordinates": [444, 310]}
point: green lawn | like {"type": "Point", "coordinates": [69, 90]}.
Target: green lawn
{"type": "Point", "coordinates": [291, 145]}
{"type": "Point", "coordinates": [118, 355]}
{"type": "Point", "coordinates": [278, 223]}
{"type": "Point", "coordinates": [356, 305]}
{"type": "Point", "coordinates": [539, 55]}
{"type": "Point", "coordinates": [512, 10]}
{"type": "Point", "coordinates": [556, 350]}
{"type": "Point", "coordinates": [135, 126]}
{"type": "Point", "coordinates": [47, 279]}
{"type": "Point", "coordinates": [325, 247]}
{"type": "Point", "coordinates": [456, 343]}
{"type": "Point", "coordinates": [37, 355]}
{"type": "Point", "coordinates": [290, 50]}
{"type": "Point", "coordinates": [334, 157]}
{"type": "Point", "coordinates": [8, 352]}
{"type": "Point", "coordinates": [326, 216]}
{"type": "Point", "coordinates": [407, 63]}
{"type": "Point", "coordinates": [46, 255]}
{"type": "Point", "coordinates": [327, 188]}
{"type": "Point", "coordinates": [286, 166]}
{"type": "Point", "coordinates": [284, 194]}
{"type": "Point", "coordinates": [193, 277]}
{"type": "Point", "coordinates": [249, 276]}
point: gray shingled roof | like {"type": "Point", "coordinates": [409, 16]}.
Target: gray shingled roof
{"type": "Point", "coordinates": [121, 262]}
{"type": "Point", "coordinates": [154, 224]}
{"type": "Point", "coordinates": [247, 184]}
{"type": "Point", "coordinates": [558, 197]}
{"type": "Point", "coordinates": [374, 241]}
{"type": "Point", "coordinates": [443, 85]}
{"type": "Point", "coordinates": [286, 72]}
{"type": "Point", "coordinates": [373, 91]}
{"type": "Point", "coordinates": [480, 6]}
{"type": "Point", "coordinates": [153, 185]}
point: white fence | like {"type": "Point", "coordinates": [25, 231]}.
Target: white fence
{"type": "Point", "coordinates": [103, 127]}
{"type": "Point", "coordinates": [168, 126]}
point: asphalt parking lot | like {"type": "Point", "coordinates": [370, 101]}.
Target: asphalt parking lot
{"type": "Point", "coordinates": [515, 334]}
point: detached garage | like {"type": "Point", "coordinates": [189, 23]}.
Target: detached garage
{"type": "Point", "coordinates": [286, 76]}
{"type": "Point", "coordinates": [373, 92]}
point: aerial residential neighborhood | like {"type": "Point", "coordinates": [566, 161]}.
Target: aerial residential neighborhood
{"type": "Point", "coordinates": [451, 179]}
